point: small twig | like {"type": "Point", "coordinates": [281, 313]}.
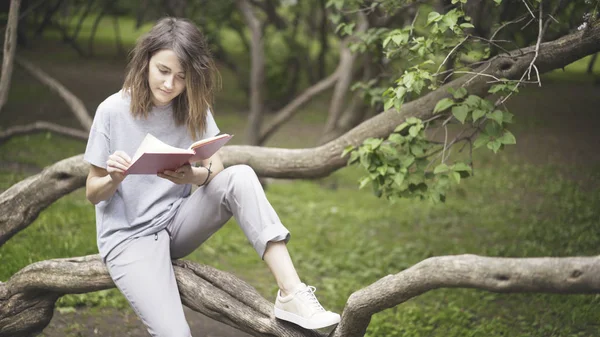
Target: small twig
{"type": "Point", "coordinates": [537, 46]}
{"type": "Point", "coordinates": [527, 24]}
{"type": "Point", "coordinates": [494, 43]}
{"type": "Point", "coordinates": [412, 25]}
{"type": "Point", "coordinates": [506, 24]}
{"type": "Point", "coordinates": [477, 74]}
{"type": "Point", "coordinates": [452, 51]}
{"type": "Point", "coordinates": [529, 9]}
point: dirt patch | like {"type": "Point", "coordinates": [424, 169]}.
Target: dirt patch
{"type": "Point", "coordinates": [114, 322]}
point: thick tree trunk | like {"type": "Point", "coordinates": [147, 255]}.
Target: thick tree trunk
{"type": "Point", "coordinates": [10, 45]}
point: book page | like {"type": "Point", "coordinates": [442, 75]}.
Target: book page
{"type": "Point", "coordinates": [151, 144]}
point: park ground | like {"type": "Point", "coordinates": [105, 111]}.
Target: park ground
{"type": "Point", "coordinates": [537, 198]}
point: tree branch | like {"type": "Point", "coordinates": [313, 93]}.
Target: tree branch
{"type": "Point", "coordinates": [27, 299]}
{"type": "Point", "coordinates": [569, 275]}
{"type": "Point", "coordinates": [41, 126]}
{"type": "Point", "coordinates": [347, 59]}
{"type": "Point", "coordinates": [76, 105]}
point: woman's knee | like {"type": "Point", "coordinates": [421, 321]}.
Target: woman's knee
{"type": "Point", "coordinates": [241, 174]}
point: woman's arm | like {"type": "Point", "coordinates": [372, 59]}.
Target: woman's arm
{"type": "Point", "coordinates": [195, 175]}
{"type": "Point", "coordinates": [101, 184]}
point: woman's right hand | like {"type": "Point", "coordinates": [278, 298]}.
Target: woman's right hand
{"type": "Point", "coordinates": [117, 164]}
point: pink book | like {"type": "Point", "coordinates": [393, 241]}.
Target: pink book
{"type": "Point", "coordinates": [153, 156]}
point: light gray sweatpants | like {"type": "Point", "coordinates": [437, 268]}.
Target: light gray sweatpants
{"type": "Point", "coordinates": [141, 267]}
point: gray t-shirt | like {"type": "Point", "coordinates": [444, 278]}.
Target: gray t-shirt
{"type": "Point", "coordinates": [142, 204]}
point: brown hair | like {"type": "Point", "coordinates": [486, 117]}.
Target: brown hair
{"type": "Point", "coordinates": [187, 42]}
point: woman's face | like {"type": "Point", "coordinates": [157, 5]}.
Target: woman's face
{"type": "Point", "coordinates": [166, 77]}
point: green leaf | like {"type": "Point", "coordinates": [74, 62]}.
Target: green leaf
{"type": "Point", "coordinates": [400, 92]}
{"type": "Point", "coordinates": [407, 161]}
{"type": "Point", "coordinates": [389, 104]}
{"type": "Point", "coordinates": [364, 181]}
{"type": "Point", "coordinates": [477, 113]}
{"type": "Point", "coordinates": [417, 150]}
{"type": "Point", "coordinates": [494, 145]}
{"type": "Point", "coordinates": [347, 150]}
{"type": "Point", "coordinates": [401, 127]}
{"type": "Point", "coordinates": [451, 18]}
{"type": "Point", "coordinates": [441, 168]}
{"type": "Point", "coordinates": [473, 101]}
{"type": "Point", "coordinates": [460, 93]}
{"type": "Point", "coordinates": [497, 87]}
{"type": "Point", "coordinates": [508, 138]}
{"type": "Point", "coordinates": [408, 79]}
{"type": "Point", "coordinates": [399, 179]}
{"type": "Point", "coordinates": [493, 129]}
{"type": "Point", "coordinates": [460, 112]}
{"type": "Point", "coordinates": [507, 117]}
{"type": "Point", "coordinates": [461, 167]}
{"type": "Point", "coordinates": [433, 17]}
{"type": "Point", "coordinates": [466, 25]}
{"type": "Point", "coordinates": [373, 142]}
{"type": "Point", "coordinates": [413, 131]}
{"type": "Point", "coordinates": [456, 177]}
{"type": "Point", "coordinates": [496, 116]}
{"type": "Point", "coordinates": [481, 140]}
{"type": "Point", "coordinates": [443, 105]}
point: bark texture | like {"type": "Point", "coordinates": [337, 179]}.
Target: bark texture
{"type": "Point", "coordinates": [10, 46]}
{"type": "Point", "coordinates": [23, 202]}
{"type": "Point", "coordinates": [569, 275]}
{"type": "Point", "coordinates": [27, 299]}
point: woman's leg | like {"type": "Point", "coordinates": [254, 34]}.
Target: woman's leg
{"type": "Point", "coordinates": [141, 268]}
{"type": "Point", "coordinates": [236, 191]}
{"type": "Point", "coordinates": [280, 263]}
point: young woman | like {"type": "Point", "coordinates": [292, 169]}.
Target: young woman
{"type": "Point", "coordinates": [144, 221]}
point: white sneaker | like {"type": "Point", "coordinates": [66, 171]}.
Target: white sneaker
{"type": "Point", "coordinates": [303, 308]}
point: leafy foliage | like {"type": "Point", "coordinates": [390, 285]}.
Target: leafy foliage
{"type": "Point", "coordinates": [426, 52]}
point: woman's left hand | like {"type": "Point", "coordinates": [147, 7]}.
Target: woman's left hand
{"type": "Point", "coordinates": [183, 175]}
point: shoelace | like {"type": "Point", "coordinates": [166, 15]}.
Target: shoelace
{"type": "Point", "coordinates": [309, 294]}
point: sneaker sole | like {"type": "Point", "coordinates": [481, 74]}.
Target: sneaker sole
{"type": "Point", "coordinates": [303, 322]}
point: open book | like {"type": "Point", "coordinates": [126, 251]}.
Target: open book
{"type": "Point", "coordinates": [153, 156]}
